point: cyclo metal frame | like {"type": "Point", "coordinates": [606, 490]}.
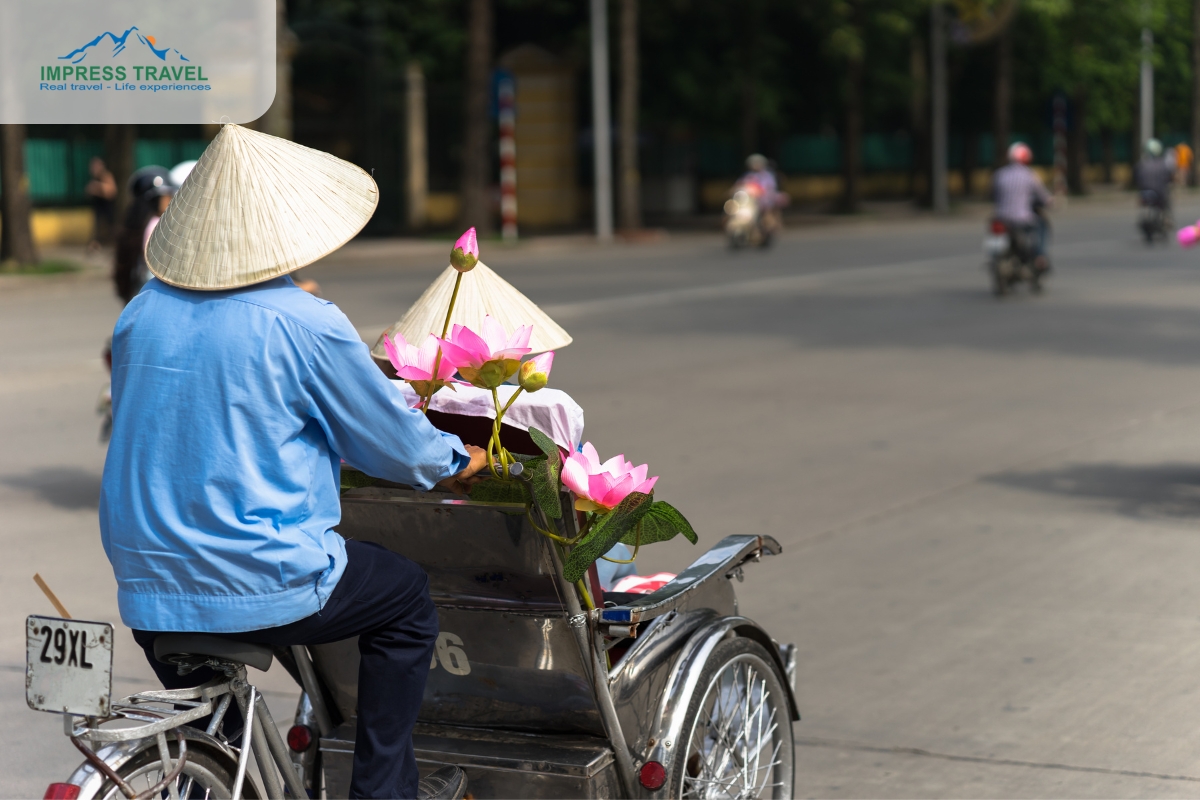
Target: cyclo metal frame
{"type": "Point", "coordinates": [529, 694]}
{"type": "Point", "coordinates": [170, 711]}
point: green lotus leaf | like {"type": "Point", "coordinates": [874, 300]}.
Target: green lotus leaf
{"type": "Point", "coordinates": [609, 530]}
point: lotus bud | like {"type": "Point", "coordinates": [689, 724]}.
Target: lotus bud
{"type": "Point", "coordinates": [465, 254]}
{"type": "Point", "coordinates": [535, 372]}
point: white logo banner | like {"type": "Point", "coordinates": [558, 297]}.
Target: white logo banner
{"type": "Point", "coordinates": [132, 61]}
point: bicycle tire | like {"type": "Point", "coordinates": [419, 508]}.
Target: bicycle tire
{"type": "Point", "coordinates": [212, 770]}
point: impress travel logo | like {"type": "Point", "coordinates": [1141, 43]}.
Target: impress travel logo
{"type": "Point", "coordinates": [97, 62]}
{"type": "Point", "coordinates": [85, 69]}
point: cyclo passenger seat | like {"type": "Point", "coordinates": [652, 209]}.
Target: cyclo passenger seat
{"type": "Point", "coordinates": [190, 651]}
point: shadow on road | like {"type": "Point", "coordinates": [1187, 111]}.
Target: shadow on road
{"type": "Point", "coordinates": [1158, 491]}
{"type": "Point", "coordinates": [71, 488]}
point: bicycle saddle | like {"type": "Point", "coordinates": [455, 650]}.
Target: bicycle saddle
{"type": "Point", "coordinates": [181, 648]}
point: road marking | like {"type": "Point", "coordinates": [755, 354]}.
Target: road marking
{"type": "Point", "coordinates": [841, 744]}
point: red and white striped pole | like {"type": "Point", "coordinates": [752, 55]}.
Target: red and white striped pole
{"type": "Point", "coordinates": [508, 158]}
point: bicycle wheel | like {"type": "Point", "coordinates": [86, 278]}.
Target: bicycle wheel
{"type": "Point", "coordinates": [738, 731]}
{"type": "Point", "coordinates": [210, 771]}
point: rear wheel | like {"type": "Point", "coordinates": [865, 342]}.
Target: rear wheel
{"type": "Point", "coordinates": [737, 736]}
{"type": "Point", "coordinates": [210, 772]}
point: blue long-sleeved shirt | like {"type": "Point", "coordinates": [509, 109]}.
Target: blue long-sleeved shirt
{"type": "Point", "coordinates": [231, 412]}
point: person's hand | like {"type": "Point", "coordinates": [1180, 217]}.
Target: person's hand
{"type": "Point", "coordinates": [463, 481]}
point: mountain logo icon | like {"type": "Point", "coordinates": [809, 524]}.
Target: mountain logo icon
{"type": "Point", "coordinates": [119, 45]}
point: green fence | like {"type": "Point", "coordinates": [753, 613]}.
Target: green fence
{"type": "Point", "coordinates": [58, 168]}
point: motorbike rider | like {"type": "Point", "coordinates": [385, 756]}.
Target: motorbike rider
{"type": "Point", "coordinates": [760, 180]}
{"type": "Point", "coordinates": [1153, 177]}
{"type": "Point", "coordinates": [150, 191]}
{"type": "Point", "coordinates": [235, 397]}
{"type": "Point", "coordinates": [1020, 198]}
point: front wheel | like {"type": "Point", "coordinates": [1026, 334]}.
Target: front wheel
{"type": "Point", "coordinates": [737, 735]}
{"type": "Point", "coordinates": [207, 774]}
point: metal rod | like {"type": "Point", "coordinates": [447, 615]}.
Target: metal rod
{"type": "Point", "coordinates": [608, 711]}
{"type": "Point", "coordinates": [939, 107]}
{"type": "Point", "coordinates": [247, 707]}
{"type": "Point", "coordinates": [164, 754]}
{"type": "Point", "coordinates": [601, 122]}
{"type": "Point", "coordinates": [171, 778]}
{"type": "Point", "coordinates": [279, 751]}
{"type": "Point", "coordinates": [219, 715]}
{"type": "Point", "coordinates": [262, 755]}
{"type": "Point", "coordinates": [312, 687]}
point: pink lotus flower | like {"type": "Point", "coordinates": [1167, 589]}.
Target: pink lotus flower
{"type": "Point", "coordinates": [535, 373]}
{"type": "Point", "coordinates": [416, 365]}
{"type": "Point", "coordinates": [602, 487]}
{"type": "Point", "coordinates": [489, 360]}
{"type": "Point", "coordinates": [465, 253]}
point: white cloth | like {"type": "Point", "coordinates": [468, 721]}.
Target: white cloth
{"type": "Point", "coordinates": [551, 411]}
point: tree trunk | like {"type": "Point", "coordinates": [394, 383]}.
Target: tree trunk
{"type": "Point", "coordinates": [629, 189]}
{"type": "Point", "coordinates": [919, 179]}
{"type": "Point", "coordinates": [970, 160]}
{"type": "Point", "coordinates": [1195, 143]}
{"type": "Point", "coordinates": [1077, 145]}
{"type": "Point", "coordinates": [1002, 115]}
{"type": "Point", "coordinates": [751, 13]}
{"type": "Point", "coordinates": [852, 137]}
{"type": "Point", "coordinates": [1106, 150]}
{"type": "Point", "coordinates": [476, 209]}
{"type": "Point", "coordinates": [277, 121]}
{"type": "Point", "coordinates": [16, 237]}
{"type": "Point", "coordinates": [119, 142]}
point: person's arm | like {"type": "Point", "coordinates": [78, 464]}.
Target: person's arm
{"type": "Point", "coordinates": [369, 424]}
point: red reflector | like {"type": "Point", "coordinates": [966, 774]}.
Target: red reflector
{"type": "Point", "coordinates": [652, 775]}
{"type": "Point", "coordinates": [61, 791]}
{"type": "Point", "coordinates": [300, 738]}
{"type": "Point", "coordinates": [997, 226]}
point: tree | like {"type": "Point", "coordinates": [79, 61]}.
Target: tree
{"type": "Point", "coordinates": [1195, 87]}
{"type": "Point", "coordinates": [16, 236]}
{"type": "Point", "coordinates": [628, 178]}
{"type": "Point", "coordinates": [476, 160]}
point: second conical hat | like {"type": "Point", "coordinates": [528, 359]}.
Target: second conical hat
{"type": "Point", "coordinates": [256, 207]}
{"type": "Point", "coordinates": [481, 293]}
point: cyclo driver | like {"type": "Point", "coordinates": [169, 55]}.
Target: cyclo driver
{"type": "Point", "coordinates": [235, 396]}
{"type": "Point", "coordinates": [1020, 196]}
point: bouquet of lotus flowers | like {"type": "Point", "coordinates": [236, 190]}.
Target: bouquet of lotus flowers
{"type": "Point", "coordinates": [614, 499]}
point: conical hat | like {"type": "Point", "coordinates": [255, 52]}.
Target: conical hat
{"type": "Point", "coordinates": [256, 207]}
{"type": "Point", "coordinates": [482, 292]}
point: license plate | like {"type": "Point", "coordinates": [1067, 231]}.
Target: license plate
{"type": "Point", "coordinates": [995, 244]}
{"type": "Point", "coordinates": [68, 666]}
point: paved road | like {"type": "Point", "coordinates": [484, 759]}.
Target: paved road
{"type": "Point", "coordinates": [988, 509]}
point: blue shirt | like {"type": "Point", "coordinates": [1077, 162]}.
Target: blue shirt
{"type": "Point", "coordinates": [231, 413]}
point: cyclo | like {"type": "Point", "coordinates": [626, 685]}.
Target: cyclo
{"type": "Point", "coordinates": [545, 681]}
{"type": "Point", "coordinates": [667, 694]}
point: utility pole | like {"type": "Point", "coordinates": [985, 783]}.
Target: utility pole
{"type": "Point", "coordinates": [601, 123]}
{"type": "Point", "coordinates": [416, 147]}
{"type": "Point", "coordinates": [940, 110]}
{"type": "Point", "coordinates": [1146, 129]}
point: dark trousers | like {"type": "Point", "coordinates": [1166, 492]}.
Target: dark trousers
{"type": "Point", "coordinates": [383, 599]}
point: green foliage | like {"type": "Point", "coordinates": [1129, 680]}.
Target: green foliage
{"type": "Point", "coordinates": [544, 475]}
{"type": "Point", "coordinates": [662, 522]}
{"type": "Point", "coordinates": [609, 530]}
{"type": "Point", "coordinates": [494, 490]}
{"type": "Point", "coordinates": [353, 479]}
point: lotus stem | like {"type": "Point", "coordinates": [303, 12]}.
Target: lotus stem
{"type": "Point", "coordinates": [637, 544]}
{"type": "Point", "coordinates": [437, 360]}
{"type": "Point", "coordinates": [587, 598]}
{"type": "Point", "coordinates": [511, 400]}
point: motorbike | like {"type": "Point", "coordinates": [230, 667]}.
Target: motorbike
{"type": "Point", "coordinates": [1154, 221]}
{"type": "Point", "coordinates": [670, 692]}
{"type": "Point", "coordinates": [1011, 250]}
{"type": "Point", "coordinates": [749, 222]}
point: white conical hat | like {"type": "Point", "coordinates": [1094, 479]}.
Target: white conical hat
{"type": "Point", "coordinates": [256, 207]}
{"type": "Point", "coordinates": [482, 292]}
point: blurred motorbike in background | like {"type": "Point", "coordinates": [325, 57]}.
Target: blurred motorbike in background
{"type": "Point", "coordinates": [1154, 219]}
{"type": "Point", "coordinates": [1012, 251]}
{"type": "Point", "coordinates": [750, 220]}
